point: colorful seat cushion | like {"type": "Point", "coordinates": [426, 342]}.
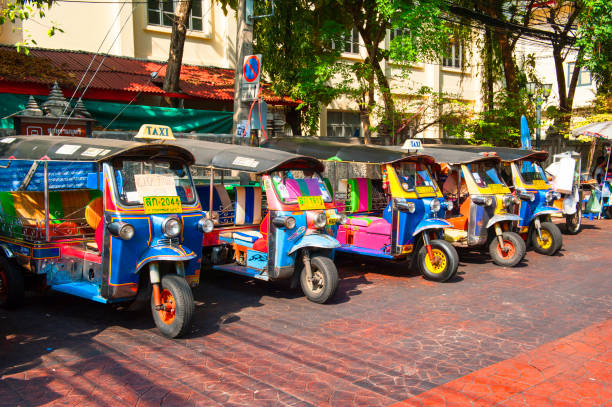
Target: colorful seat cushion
{"type": "Point", "coordinates": [360, 194]}
{"type": "Point", "coordinates": [248, 205]}
{"type": "Point", "coordinates": [361, 220]}
{"type": "Point", "coordinates": [249, 236]}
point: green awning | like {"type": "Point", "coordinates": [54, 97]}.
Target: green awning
{"type": "Point", "coordinates": [180, 120]}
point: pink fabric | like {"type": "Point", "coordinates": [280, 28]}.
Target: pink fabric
{"type": "Point", "coordinates": [362, 185]}
{"type": "Point", "coordinates": [99, 235]}
{"type": "Point", "coordinates": [361, 220]}
{"type": "Point", "coordinates": [293, 189]}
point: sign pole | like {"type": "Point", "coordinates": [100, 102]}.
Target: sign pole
{"type": "Point", "coordinates": [244, 47]}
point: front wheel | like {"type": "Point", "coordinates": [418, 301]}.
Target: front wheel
{"type": "Point", "coordinates": [574, 222]}
{"type": "Point", "coordinates": [551, 240]}
{"type": "Point", "coordinates": [174, 319]}
{"type": "Point", "coordinates": [11, 285]}
{"type": "Point", "coordinates": [511, 253]}
{"type": "Point", "coordinates": [324, 282]}
{"type": "Point", "coordinates": [444, 264]}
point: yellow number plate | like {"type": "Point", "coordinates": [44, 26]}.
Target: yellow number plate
{"type": "Point", "coordinates": [540, 184]}
{"type": "Point", "coordinates": [425, 190]}
{"type": "Point", "coordinates": [497, 189]}
{"type": "Point", "coordinates": [307, 203]}
{"type": "Point", "coordinates": [162, 204]}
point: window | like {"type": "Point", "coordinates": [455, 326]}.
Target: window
{"type": "Point", "coordinates": [161, 12]}
{"type": "Point", "coordinates": [350, 41]}
{"type": "Point", "coordinates": [398, 32]}
{"type": "Point", "coordinates": [454, 56]}
{"type": "Point", "coordinates": [343, 124]}
{"type": "Point", "coordinates": [584, 77]}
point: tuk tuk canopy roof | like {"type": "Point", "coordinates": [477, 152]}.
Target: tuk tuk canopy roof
{"type": "Point", "coordinates": [457, 155]}
{"type": "Point", "coordinates": [334, 151]}
{"type": "Point", "coordinates": [62, 148]}
{"type": "Point", "coordinates": [505, 153]}
{"type": "Point", "coordinates": [244, 158]}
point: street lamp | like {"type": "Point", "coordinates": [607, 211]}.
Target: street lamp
{"type": "Point", "coordinates": [539, 90]}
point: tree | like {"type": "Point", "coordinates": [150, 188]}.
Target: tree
{"type": "Point", "coordinates": [177, 44]}
{"type": "Point", "coordinates": [595, 39]}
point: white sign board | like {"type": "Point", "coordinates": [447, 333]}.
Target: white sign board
{"type": "Point", "coordinates": [412, 145]}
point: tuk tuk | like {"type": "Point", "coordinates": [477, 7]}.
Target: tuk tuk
{"type": "Point", "coordinates": [269, 215]}
{"type": "Point", "coordinates": [536, 198]}
{"type": "Point", "coordinates": [111, 221]}
{"type": "Point", "coordinates": [482, 203]}
{"type": "Point", "coordinates": [394, 208]}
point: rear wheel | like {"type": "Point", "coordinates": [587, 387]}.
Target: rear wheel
{"type": "Point", "coordinates": [444, 264]}
{"type": "Point", "coordinates": [574, 222]}
{"type": "Point", "coordinates": [11, 285]}
{"type": "Point", "coordinates": [511, 253]}
{"type": "Point", "coordinates": [324, 282]}
{"type": "Point", "coordinates": [174, 319]}
{"type": "Point", "coordinates": [551, 240]}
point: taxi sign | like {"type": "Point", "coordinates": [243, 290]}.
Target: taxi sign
{"type": "Point", "coordinates": [425, 190]}
{"type": "Point", "coordinates": [307, 203]}
{"type": "Point", "coordinates": [154, 132]}
{"type": "Point", "coordinates": [412, 145]}
{"type": "Point", "coordinates": [162, 204]}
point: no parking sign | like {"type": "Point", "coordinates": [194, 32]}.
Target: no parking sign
{"type": "Point", "coordinates": [251, 72]}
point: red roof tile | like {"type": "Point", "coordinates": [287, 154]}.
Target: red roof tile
{"type": "Point", "coordinates": [127, 75]}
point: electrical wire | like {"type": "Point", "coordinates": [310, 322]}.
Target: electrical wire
{"type": "Point", "coordinates": [87, 70]}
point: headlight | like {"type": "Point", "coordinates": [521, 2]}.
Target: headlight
{"type": "Point", "coordinates": [171, 227]}
{"type": "Point", "coordinates": [507, 200]}
{"type": "Point", "coordinates": [482, 200]}
{"type": "Point", "coordinates": [342, 219]}
{"type": "Point", "coordinates": [289, 222]}
{"type": "Point", "coordinates": [526, 196]}
{"type": "Point", "coordinates": [557, 195]}
{"type": "Point", "coordinates": [449, 205]}
{"type": "Point", "coordinates": [122, 230]}
{"type": "Point", "coordinates": [516, 199]}
{"type": "Point", "coordinates": [434, 205]}
{"type": "Point", "coordinates": [549, 196]}
{"type": "Point", "coordinates": [320, 220]}
{"type": "Point", "coordinates": [406, 206]}
{"type": "Point", "coordinates": [205, 225]}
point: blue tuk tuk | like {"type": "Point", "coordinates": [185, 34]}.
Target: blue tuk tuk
{"type": "Point", "coordinates": [269, 215]}
{"type": "Point", "coordinates": [107, 220]}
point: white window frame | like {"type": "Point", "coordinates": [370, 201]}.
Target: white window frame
{"type": "Point", "coordinates": [583, 70]}
{"type": "Point", "coordinates": [346, 126]}
{"type": "Point", "coordinates": [205, 19]}
{"type": "Point", "coordinates": [455, 56]}
{"type": "Point", "coordinates": [350, 41]}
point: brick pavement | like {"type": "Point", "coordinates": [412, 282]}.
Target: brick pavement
{"type": "Point", "coordinates": [390, 337]}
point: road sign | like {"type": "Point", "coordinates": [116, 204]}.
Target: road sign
{"type": "Point", "coordinates": [251, 69]}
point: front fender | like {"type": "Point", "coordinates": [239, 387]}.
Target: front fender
{"type": "Point", "coordinates": [502, 218]}
{"type": "Point", "coordinates": [544, 210]}
{"type": "Point", "coordinates": [165, 253]}
{"type": "Point", "coordinates": [318, 240]}
{"type": "Point", "coordinates": [431, 223]}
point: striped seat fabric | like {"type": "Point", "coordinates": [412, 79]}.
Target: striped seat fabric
{"type": "Point", "coordinates": [360, 198]}
{"type": "Point", "coordinates": [223, 210]}
{"type": "Point", "coordinates": [248, 205]}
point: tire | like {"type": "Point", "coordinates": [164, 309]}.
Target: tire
{"type": "Point", "coordinates": [573, 223]}
{"type": "Point", "coordinates": [447, 257]}
{"type": "Point", "coordinates": [174, 289]}
{"type": "Point", "coordinates": [554, 243]}
{"type": "Point", "coordinates": [324, 269]}
{"type": "Point", "coordinates": [516, 249]}
{"type": "Point", "coordinates": [12, 289]}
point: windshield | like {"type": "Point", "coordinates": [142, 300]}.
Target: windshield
{"type": "Point", "coordinates": [136, 179]}
{"type": "Point", "coordinates": [531, 171]}
{"type": "Point", "coordinates": [485, 174]}
{"type": "Point", "coordinates": [415, 177]}
{"type": "Point", "coordinates": [291, 184]}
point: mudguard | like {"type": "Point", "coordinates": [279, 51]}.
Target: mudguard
{"type": "Point", "coordinates": [165, 253]}
{"type": "Point", "coordinates": [544, 210]}
{"type": "Point", "coordinates": [502, 218]}
{"type": "Point", "coordinates": [431, 223]}
{"type": "Point", "coordinates": [318, 240]}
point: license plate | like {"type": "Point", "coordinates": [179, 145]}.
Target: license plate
{"type": "Point", "coordinates": [307, 203]}
{"type": "Point", "coordinates": [424, 190]}
{"type": "Point", "coordinates": [162, 204]}
{"type": "Point", "coordinates": [540, 184]}
{"type": "Point", "coordinates": [497, 188]}
{"type": "Point", "coordinates": [331, 221]}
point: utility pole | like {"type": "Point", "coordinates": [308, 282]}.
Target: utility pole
{"type": "Point", "coordinates": [244, 47]}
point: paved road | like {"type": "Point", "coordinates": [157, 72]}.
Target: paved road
{"type": "Point", "coordinates": [541, 331]}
